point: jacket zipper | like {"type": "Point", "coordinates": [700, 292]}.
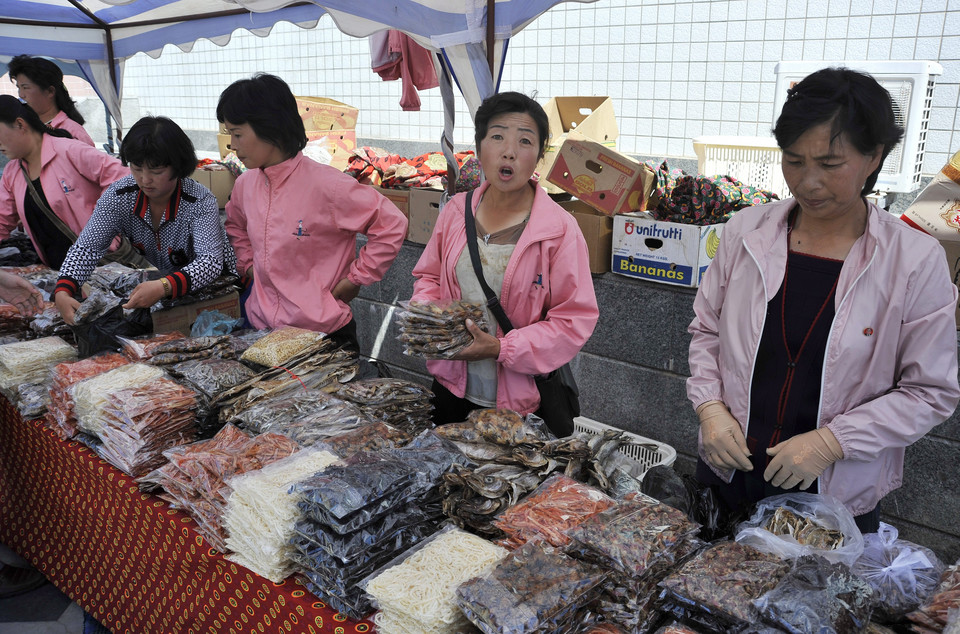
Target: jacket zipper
{"type": "Point", "coordinates": [756, 350]}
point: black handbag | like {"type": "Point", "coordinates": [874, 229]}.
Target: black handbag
{"type": "Point", "coordinates": [559, 395]}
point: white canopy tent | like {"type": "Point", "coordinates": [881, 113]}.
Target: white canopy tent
{"type": "Point", "coordinates": [99, 35]}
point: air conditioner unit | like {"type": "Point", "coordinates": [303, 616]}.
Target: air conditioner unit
{"type": "Point", "coordinates": [910, 83]}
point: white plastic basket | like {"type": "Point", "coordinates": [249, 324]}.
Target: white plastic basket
{"type": "Point", "coordinates": [649, 453]}
{"type": "Point", "coordinates": [752, 160]}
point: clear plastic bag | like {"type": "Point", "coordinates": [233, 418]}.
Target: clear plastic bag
{"type": "Point", "coordinates": [824, 512]}
{"type": "Point", "coordinates": [535, 588]}
{"type": "Point", "coordinates": [437, 330]}
{"type": "Point", "coordinates": [211, 376]}
{"type": "Point", "coordinates": [902, 574]}
{"type": "Point", "coordinates": [716, 588]}
{"type": "Point", "coordinates": [212, 323]}
{"type": "Point", "coordinates": [818, 596]}
{"type": "Point", "coordinates": [280, 346]}
{"type": "Point", "coordinates": [33, 399]}
{"type": "Point", "coordinates": [935, 612]}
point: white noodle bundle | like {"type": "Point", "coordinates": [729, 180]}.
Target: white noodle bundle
{"type": "Point", "coordinates": [260, 514]}
{"type": "Point", "coordinates": [31, 361]}
{"type": "Point", "coordinates": [418, 595]}
{"type": "Point", "coordinates": [91, 397]}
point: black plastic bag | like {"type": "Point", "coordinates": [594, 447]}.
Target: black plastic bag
{"type": "Point", "coordinates": [101, 334]}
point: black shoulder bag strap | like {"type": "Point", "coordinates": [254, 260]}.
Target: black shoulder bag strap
{"type": "Point", "coordinates": [493, 302]}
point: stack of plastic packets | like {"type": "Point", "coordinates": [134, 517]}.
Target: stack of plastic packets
{"type": "Point", "coordinates": [361, 513]}
{"type": "Point", "coordinates": [640, 541]}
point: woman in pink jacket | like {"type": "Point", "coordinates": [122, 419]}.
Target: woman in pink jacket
{"type": "Point", "coordinates": [67, 176]}
{"type": "Point", "coordinates": [40, 83]}
{"type": "Point", "coordinates": [824, 341]}
{"type": "Point", "coordinates": [293, 222]}
{"type": "Point", "coordinates": [534, 257]}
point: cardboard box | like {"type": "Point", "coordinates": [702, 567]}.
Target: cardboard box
{"type": "Point", "coordinates": [399, 197]}
{"type": "Point", "coordinates": [321, 113]}
{"type": "Point", "coordinates": [592, 117]}
{"type": "Point", "coordinates": [181, 318]}
{"type": "Point", "coordinates": [424, 209]}
{"type": "Point", "coordinates": [601, 177]}
{"type": "Point", "coordinates": [597, 229]}
{"type": "Point", "coordinates": [223, 143]}
{"type": "Point", "coordinates": [220, 182]}
{"type": "Point", "coordinates": [331, 147]}
{"type": "Point", "coordinates": [665, 252]}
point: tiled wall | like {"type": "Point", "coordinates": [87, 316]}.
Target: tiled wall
{"type": "Point", "coordinates": [675, 70]}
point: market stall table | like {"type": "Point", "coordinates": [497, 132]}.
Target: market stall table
{"type": "Point", "coordinates": [128, 558]}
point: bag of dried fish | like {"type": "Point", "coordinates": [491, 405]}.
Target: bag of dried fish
{"type": "Point", "coordinates": [31, 362]}
{"type": "Point", "coordinates": [141, 348]}
{"type": "Point", "coordinates": [634, 535]}
{"type": "Point", "coordinates": [716, 588]}
{"type": "Point", "coordinates": [953, 622]}
{"type": "Point", "coordinates": [209, 377]}
{"type": "Point", "coordinates": [90, 397]}
{"type": "Point", "coordinates": [558, 505]}
{"type": "Point", "coordinates": [402, 404]}
{"type": "Point", "coordinates": [33, 399]}
{"type": "Point", "coordinates": [96, 304]}
{"type": "Point", "coordinates": [280, 346]}
{"type": "Point", "coordinates": [507, 427]}
{"type": "Point", "coordinates": [417, 590]}
{"type": "Point", "coordinates": [49, 323]}
{"type": "Point", "coordinates": [240, 340]}
{"type": "Point", "coordinates": [366, 436]}
{"type": "Point", "coordinates": [60, 414]}
{"type": "Point", "coordinates": [675, 628]}
{"type": "Point", "coordinates": [796, 524]}
{"type": "Point", "coordinates": [933, 615]}
{"type": "Point", "coordinates": [534, 589]}
{"type": "Point", "coordinates": [818, 596]}
{"type": "Point", "coordinates": [902, 574]}
{"type": "Point", "coordinates": [437, 330]}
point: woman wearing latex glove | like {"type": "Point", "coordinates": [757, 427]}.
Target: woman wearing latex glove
{"type": "Point", "coordinates": [824, 337]}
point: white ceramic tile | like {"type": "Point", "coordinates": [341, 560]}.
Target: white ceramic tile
{"type": "Point", "coordinates": [856, 49]}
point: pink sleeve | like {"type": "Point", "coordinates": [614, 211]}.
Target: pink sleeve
{"type": "Point", "coordinates": [366, 211]}
{"type": "Point", "coordinates": [546, 345]}
{"type": "Point", "coordinates": [236, 227]}
{"type": "Point", "coordinates": [9, 218]}
{"type": "Point", "coordinates": [92, 164]}
{"type": "Point", "coordinates": [428, 271]}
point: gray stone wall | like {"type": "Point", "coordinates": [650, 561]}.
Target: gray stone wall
{"type": "Point", "coordinates": [631, 375]}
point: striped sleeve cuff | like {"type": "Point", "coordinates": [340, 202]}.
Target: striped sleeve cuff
{"type": "Point", "coordinates": [179, 283]}
{"type": "Point", "coordinates": [67, 285]}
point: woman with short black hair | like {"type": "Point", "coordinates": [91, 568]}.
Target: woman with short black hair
{"type": "Point", "coordinates": [824, 337]}
{"type": "Point", "coordinates": [171, 219]}
{"type": "Point", "coordinates": [294, 222]}
{"type": "Point", "coordinates": [40, 83]}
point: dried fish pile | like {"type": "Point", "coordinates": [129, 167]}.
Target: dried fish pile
{"type": "Point", "coordinates": [515, 458]}
{"type": "Point", "coordinates": [280, 346]}
{"type": "Point", "coordinates": [417, 593]}
{"type": "Point", "coordinates": [803, 529]}
{"type": "Point", "coordinates": [141, 348]}
{"type": "Point", "coordinates": [717, 587]}
{"type": "Point", "coordinates": [209, 378]}
{"type": "Point", "coordinates": [49, 323]}
{"type": "Point", "coordinates": [536, 588]}
{"type": "Point", "coordinates": [558, 505]}
{"type": "Point", "coordinates": [195, 479]}
{"type": "Point", "coordinates": [818, 596]}
{"type": "Point", "coordinates": [31, 362]}
{"type": "Point", "coordinates": [90, 396]}
{"type": "Point", "coordinates": [401, 404]}
{"type": "Point", "coordinates": [306, 416]}
{"type": "Point", "coordinates": [640, 541]}
{"type": "Point", "coordinates": [370, 437]}
{"type": "Point", "coordinates": [902, 574]}
{"type": "Point", "coordinates": [318, 367]}
{"type": "Point", "coordinates": [190, 348]}
{"type": "Point", "coordinates": [933, 616]}
{"type": "Point", "coordinates": [261, 513]}
{"type": "Point", "coordinates": [139, 423]}
{"type": "Point", "coordinates": [60, 415]}
{"type": "Point", "coordinates": [364, 511]}
{"type": "Point", "coordinates": [94, 306]}
{"type": "Point", "coordinates": [436, 330]}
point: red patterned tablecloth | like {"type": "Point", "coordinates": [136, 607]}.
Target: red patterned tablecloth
{"type": "Point", "coordinates": [126, 557]}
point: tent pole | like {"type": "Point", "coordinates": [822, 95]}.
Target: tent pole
{"type": "Point", "coordinates": [110, 61]}
{"type": "Point", "coordinates": [491, 35]}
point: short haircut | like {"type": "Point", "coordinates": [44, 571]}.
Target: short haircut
{"type": "Point", "coordinates": [854, 103]}
{"type": "Point", "coordinates": [159, 142]}
{"type": "Point", "coordinates": [506, 103]}
{"type": "Point", "coordinates": [267, 104]}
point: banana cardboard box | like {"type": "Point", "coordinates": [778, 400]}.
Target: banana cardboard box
{"type": "Point", "coordinates": [665, 252]}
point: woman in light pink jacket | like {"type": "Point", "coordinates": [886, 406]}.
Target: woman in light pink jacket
{"type": "Point", "coordinates": [824, 341]}
{"type": "Point", "coordinates": [534, 257]}
{"type": "Point", "coordinates": [293, 223]}
{"type": "Point", "coordinates": [40, 83]}
{"type": "Point", "coordinates": [69, 176]}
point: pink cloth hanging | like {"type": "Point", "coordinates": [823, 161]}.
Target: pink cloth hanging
{"type": "Point", "coordinates": [402, 58]}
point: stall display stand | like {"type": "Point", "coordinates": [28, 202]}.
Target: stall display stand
{"type": "Point", "coordinates": [125, 556]}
